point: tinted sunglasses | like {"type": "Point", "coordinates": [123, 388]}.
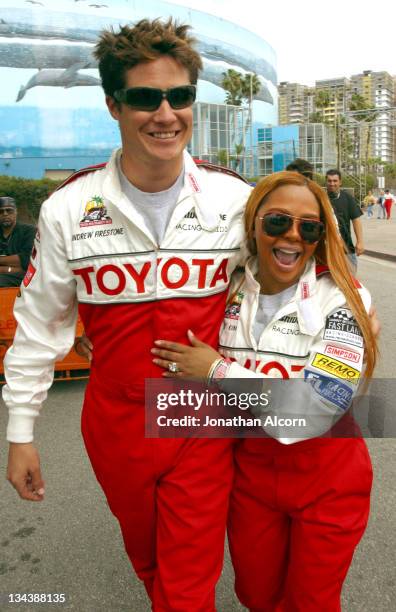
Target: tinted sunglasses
{"type": "Point", "coordinates": [150, 98]}
{"type": "Point", "coordinates": [276, 224]}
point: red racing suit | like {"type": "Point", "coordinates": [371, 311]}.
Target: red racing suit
{"type": "Point", "coordinates": [299, 506]}
{"type": "Point", "coordinates": [93, 249]}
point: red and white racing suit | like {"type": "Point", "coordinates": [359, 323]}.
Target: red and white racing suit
{"type": "Point", "coordinates": [298, 508]}
{"type": "Point", "coordinates": [169, 495]}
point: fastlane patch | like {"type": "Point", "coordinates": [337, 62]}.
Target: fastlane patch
{"type": "Point", "coordinates": [341, 326]}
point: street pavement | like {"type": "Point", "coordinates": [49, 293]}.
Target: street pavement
{"type": "Point", "coordinates": [70, 544]}
{"type": "Point", "coordinates": [380, 235]}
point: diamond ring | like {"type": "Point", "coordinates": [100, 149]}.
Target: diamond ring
{"type": "Point", "coordinates": [172, 367]}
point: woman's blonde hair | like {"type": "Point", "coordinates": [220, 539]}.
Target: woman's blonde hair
{"type": "Point", "coordinates": [329, 252]}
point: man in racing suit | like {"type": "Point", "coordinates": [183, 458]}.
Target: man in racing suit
{"type": "Point", "coordinates": [137, 272]}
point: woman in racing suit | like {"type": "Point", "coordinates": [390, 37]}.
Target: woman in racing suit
{"type": "Point", "coordinates": [300, 500]}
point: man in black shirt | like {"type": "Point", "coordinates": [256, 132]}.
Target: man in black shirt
{"type": "Point", "coordinates": [346, 210]}
{"type": "Point", "coordinates": [16, 241]}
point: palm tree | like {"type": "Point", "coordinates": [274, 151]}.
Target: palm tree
{"type": "Point", "coordinates": [236, 159]}
{"type": "Point", "coordinates": [232, 83]}
{"type": "Point", "coordinates": [250, 86]}
{"type": "Point", "coordinates": [323, 99]}
{"type": "Point", "coordinates": [222, 157]}
{"type": "Point", "coordinates": [367, 116]}
{"type": "Point", "coordinates": [316, 117]}
{"type": "Point", "coordinates": [241, 89]}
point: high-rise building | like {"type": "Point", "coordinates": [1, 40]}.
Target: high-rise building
{"type": "Point", "coordinates": [378, 90]}
{"type": "Point", "coordinates": [373, 135]}
{"type": "Point", "coordinates": [294, 103]}
{"type": "Point", "coordinates": [338, 96]}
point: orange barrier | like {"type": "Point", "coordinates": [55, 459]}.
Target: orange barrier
{"type": "Point", "coordinates": [72, 367]}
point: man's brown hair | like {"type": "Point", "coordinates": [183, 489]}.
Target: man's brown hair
{"type": "Point", "coordinates": [145, 41]}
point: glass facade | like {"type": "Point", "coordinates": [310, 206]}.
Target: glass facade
{"type": "Point", "coordinates": [219, 135]}
{"type": "Point", "coordinates": [278, 146]}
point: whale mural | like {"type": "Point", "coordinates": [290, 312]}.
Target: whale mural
{"type": "Point", "coordinates": [48, 44]}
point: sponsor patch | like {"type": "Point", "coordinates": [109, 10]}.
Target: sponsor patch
{"type": "Point", "coordinates": [347, 354]}
{"type": "Point", "coordinates": [95, 213]}
{"type": "Point", "coordinates": [287, 325]}
{"type": "Point", "coordinates": [232, 310]}
{"type": "Point", "coordinates": [341, 326]}
{"type": "Point", "coordinates": [304, 290]}
{"type": "Point", "coordinates": [30, 272]}
{"type": "Point", "coordinates": [335, 367]}
{"type": "Point", "coordinates": [194, 183]}
{"type": "Point", "coordinates": [331, 390]}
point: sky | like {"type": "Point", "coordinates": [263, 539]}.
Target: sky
{"type": "Point", "coordinates": [316, 40]}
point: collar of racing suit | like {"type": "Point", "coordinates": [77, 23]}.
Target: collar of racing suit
{"type": "Point", "coordinates": [305, 301]}
{"type": "Point", "coordinates": [195, 186]}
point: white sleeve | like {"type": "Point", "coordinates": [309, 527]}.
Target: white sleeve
{"type": "Point", "coordinates": [46, 313]}
{"type": "Point", "coordinates": [333, 371]}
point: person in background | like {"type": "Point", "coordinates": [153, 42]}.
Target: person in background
{"type": "Point", "coordinates": [347, 211]}
{"type": "Point", "coordinates": [381, 213]}
{"type": "Point", "coordinates": [302, 166]}
{"type": "Point", "coordinates": [16, 242]}
{"type": "Point", "coordinates": [388, 201]}
{"type": "Point", "coordinates": [369, 202]}
{"type": "Point", "coordinates": [300, 500]}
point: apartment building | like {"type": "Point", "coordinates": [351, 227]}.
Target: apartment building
{"type": "Point", "coordinates": [378, 89]}
{"type": "Point", "coordinates": [294, 103]}
{"type": "Point", "coordinates": [331, 98]}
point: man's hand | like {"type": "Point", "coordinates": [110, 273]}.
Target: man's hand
{"type": "Point", "coordinates": [359, 248]}
{"type": "Point", "coordinates": [24, 472]}
{"type": "Point", "coordinates": [84, 347]}
{"type": "Point", "coordinates": [374, 322]}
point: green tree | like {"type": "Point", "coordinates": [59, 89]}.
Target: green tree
{"type": "Point", "coordinates": [390, 170]}
{"type": "Point", "coordinates": [323, 99]}
{"type": "Point", "coordinates": [316, 117]}
{"type": "Point", "coordinates": [233, 84]}
{"type": "Point", "coordinates": [240, 88]}
{"type": "Point", "coordinates": [250, 86]}
{"type": "Point", "coordinates": [366, 116]}
{"type": "Point", "coordinates": [222, 157]}
{"type": "Point", "coordinates": [236, 159]}
{"type": "Point", "coordinates": [29, 194]}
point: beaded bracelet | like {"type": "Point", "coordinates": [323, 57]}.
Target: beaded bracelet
{"type": "Point", "coordinates": [218, 370]}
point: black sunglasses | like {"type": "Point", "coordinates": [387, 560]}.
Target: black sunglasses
{"type": "Point", "coordinates": [150, 98]}
{"type": "Point", "coordinates": [276, 224]}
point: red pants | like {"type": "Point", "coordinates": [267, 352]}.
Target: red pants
{"type": "Point", "coordinates": [296, 515]}
{"type": "Point", "coordinates": [169, 495]}
{"type": "Point", "coordinates": [388, 206]}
